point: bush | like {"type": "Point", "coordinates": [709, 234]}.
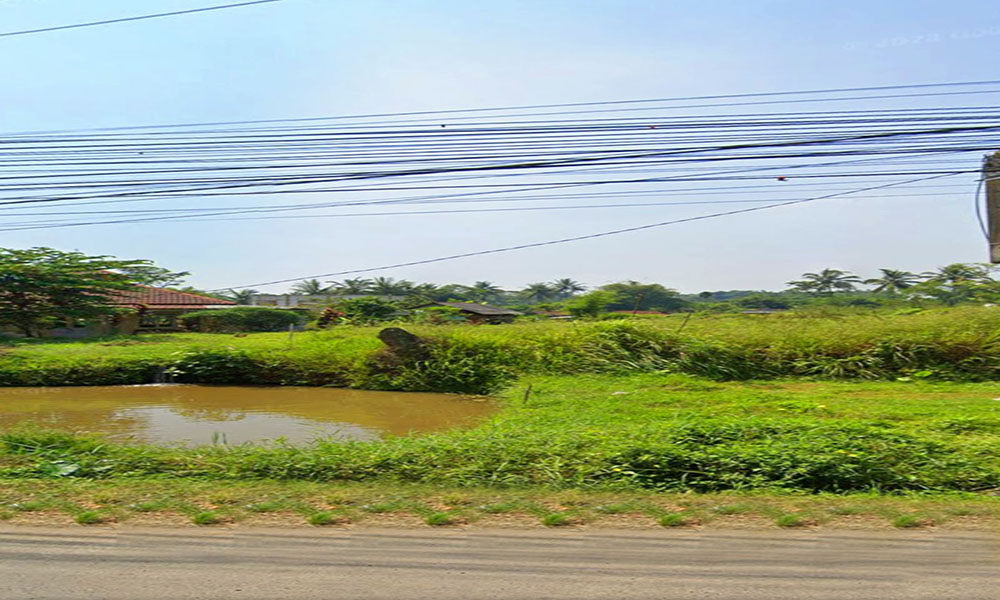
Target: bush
{"type": "Point", "coordinates": [367, 310]}
{"type": "Point", "coordinates": [591, 304]}
{"type": "Point", "coordinates": [215, 366]}
{"type": "Point", "coordinates": [241, 318]}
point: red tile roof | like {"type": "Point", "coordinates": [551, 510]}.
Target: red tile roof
{"type": "Point", "coordinates": [163, 298]}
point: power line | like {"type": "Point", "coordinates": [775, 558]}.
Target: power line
{"type": "Point", "coordinates": [583, 237]}
{"type": "Point", "coordinates": [136, 18]}
{"type": "Point", "coordinates": [526, 107]}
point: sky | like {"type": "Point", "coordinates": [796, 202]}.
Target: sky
{"type": "Point", "coordinates": [307, 58]}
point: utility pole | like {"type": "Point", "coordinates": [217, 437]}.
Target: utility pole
{"type": "Point", "coordinates": [991, 176]}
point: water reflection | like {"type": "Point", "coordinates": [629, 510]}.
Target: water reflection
{"type": "Point", "coordinates": [192, 414]}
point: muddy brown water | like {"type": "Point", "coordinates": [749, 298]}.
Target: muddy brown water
{"type": "Point", "coordinates": [195, 414]}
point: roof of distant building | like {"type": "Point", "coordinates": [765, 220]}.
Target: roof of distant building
{"type": "Point", "coordinates": [155, 297]}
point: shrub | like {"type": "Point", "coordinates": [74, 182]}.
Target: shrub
{"type": "Point", "coordinates": [591, 304]}
{"type": "Point", "coordinates": [366, 310]}
{"type": "Point", "coordinates": [241, 318]}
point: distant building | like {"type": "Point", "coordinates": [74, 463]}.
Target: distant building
{"type": "Point", "coordinates": [305, 300]}
{"type": "Point", "coordinates": [153, 310]}
{"type": "Point", "coordinates": [478, 313]}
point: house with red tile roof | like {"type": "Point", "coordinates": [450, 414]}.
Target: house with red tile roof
{"type": "Point", "coordinates": [146, 309]}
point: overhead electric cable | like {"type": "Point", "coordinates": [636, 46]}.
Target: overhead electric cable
{"type": "Point", "coordinates": [581, 237]}
{"type": "Point", "coordinates": [136, 18]}
{"type": "Point", "coordinates": [529, 107]}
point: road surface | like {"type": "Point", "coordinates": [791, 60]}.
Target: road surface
{"type": "Point", "coordinates": [182, 564]}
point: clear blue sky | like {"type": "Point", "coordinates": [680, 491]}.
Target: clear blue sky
{"type": "Point", "coordinates": [300, 58]}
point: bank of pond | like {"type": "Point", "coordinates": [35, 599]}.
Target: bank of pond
{"type": "Point", "coordinates": [961, 344]}
{"type": "Point", "coordinates": [653, 431]}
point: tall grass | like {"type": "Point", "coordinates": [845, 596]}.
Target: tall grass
{"type": "Point", "coordinates": [953, 344]}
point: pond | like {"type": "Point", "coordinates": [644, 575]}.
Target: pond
{"type": "Point", "coordinates": [196, 414]}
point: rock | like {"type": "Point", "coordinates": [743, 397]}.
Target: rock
{"type": "Point", "coordinates": [402, 342]}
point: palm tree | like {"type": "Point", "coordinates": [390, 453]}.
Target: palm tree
{"type": "Point", "coordinates": [387, 286]}
{"type": "Point", "coordinates": [539, 292]}
{"type": "Point", "coordinates": [240, 296]}
{"type": "Point", "coordinates": [826, 281]}
{"type": "Point", "coordinates": [311, 287]}
{"type": "Point", "coordinates": [959, 273]}
{"type": "Point", "coordinates": [893, 281]}
{"type": "Point", "coordinates": [566, 287]}
{"type": "Point", "coordinates": [483, 291]}
{"type": "Point", "coordinates": [425, 290]}
{"type": "Point", "coordinates": [353, 287]}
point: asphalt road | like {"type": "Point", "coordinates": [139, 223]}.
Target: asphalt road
{"type": "Point", "coordinates": [165, 564]}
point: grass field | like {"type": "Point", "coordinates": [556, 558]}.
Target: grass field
{"type": "Point", "coordinates": [946, 344]}
{"type": "Point", "coordinates": [791, 419]}
{"type": "Point", "coordinates": [662, 432]}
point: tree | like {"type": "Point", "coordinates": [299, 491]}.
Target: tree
{"type": "Point", "coordinates": [353, 287]}
{"type": "Point", "coordinates": [426, 291]}
{"type": "Point", "coordinates": [566, 287]}
{"type": "Point", "coordinates": [539, 292]}
{"type": "Point", "coordinates": [387, 286]}
{"type": "Point", "coordinates": [893, 281]}
{"type": "Point", "coordinates": [633, 295]}
{"type": "Point", "coordinates": [826, 281]}
{"type": "Point", "coordinates": [42, 287]}
{"type": "Point", "coordinates": [959, 282]}
{"type": "Point", "coordinates": [445, 293]}
{"type": "Point", "coordinates": [960, 273]}
{"type": "Point", "coordinates": [483, 291]}
{"type": "Point", "coordinates": [240, 296]}
{"type": "Point", "coordinates": [367, 309]}
{"type": "Point", "coordinates": [591, 304]}
{"type": "Point", "coordinates": [149, 274]}
{"type": "Point", "coordinates": [311, 287]}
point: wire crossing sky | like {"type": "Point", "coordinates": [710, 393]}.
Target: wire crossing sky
{"type": "Point", "coordinates": [259, 145]}
{"type": "Point", "coordinates": [135, 18]}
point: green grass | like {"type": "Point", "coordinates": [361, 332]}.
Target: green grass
{"type": "Point", "coordinates": [206, 517]}
{"type": "Point", "coordinates": [944, 344]}
{"type": "Point", "coordinates": [653, 431]}
{"type": "Point", "coordinates": [557, 519]}
{"type": "Point", "coordinates": [792, 520]}
{"type": "Point", "coordinates": [675, 520]}
{"type": "Point", "coordinates": [268, 506]}
{"type": "Point", "coordinates": [322, 518]}
{"type": "Point", "coordinates": [308, 503]}
{"type": "Point", "coordinates": [910, 522]}
{"type": "Point", "coordinates": [441, 519]}
{"type": "Point", "coordinates": [90, 517]}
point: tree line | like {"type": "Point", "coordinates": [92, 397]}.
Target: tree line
{"type": "Point", "coordinates": [40, 287]}
{"type": "Point", "coordinates": [949, 284]}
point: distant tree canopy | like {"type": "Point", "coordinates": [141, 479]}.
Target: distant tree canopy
{"type": "Point", "coordinates": [632, 295]}
{"type": "Point", "coordinates": [591, 304]}
{"type": "Point", "coordinates": [41, 288]}
{"type": "Point", "coordinates": [364, 309]}
{"type": "Point", "coordinates": [826, 281]}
